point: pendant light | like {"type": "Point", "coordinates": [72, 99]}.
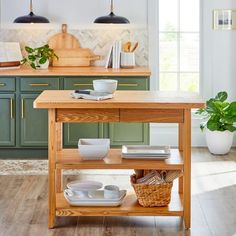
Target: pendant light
{"type": "Point", "coordinates": [111, 18]}
{"type": "Point", "coordinates": [31, 18]}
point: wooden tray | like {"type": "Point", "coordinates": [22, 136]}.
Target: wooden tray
{"type": "Point", "coordinates": [69, 51]}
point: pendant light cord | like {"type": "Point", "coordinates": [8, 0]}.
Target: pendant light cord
{"type": "Point", "coordinates": [31, 6]}
{"type": "Point", "coordinates": [112, 6]}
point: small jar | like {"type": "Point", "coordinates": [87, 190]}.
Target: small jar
{"type": "Point", "coordinates": [127, 60]}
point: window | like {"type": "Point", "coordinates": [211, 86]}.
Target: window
{"type": "Point", "coordinates": [179, 40]}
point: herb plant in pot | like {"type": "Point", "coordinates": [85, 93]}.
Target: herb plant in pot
{"type": "Point", "coordinates": [39, 58]}
{"type": "Point", "coordinates": [220, 121]}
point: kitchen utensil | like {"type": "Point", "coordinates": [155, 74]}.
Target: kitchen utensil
{"type": "Point", "coordinates": [127, 60]}
{"type": "Point", "coordinates": [105, 85]}
{"type": "Point", "coordinates": [68, 49]}
{"type": "Point", "coordinates": [111, 192]}
{"type": "Point", "coordinates": [127, 46]}
{"type": "Point", "coordinates": [94, 149]}
{"type": "Point", "coordinates": [134, 47]}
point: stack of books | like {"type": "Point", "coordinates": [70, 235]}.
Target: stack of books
{"type": "Point", "coordinates": [113, 57]}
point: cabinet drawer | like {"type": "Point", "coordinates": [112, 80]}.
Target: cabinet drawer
{"type": "Point", "coordinates": [132, 83]}
{"type": "Point", "coordinates": [124, 83]}
{"type": "Point", "coordinates": [78, 83]}
{"type": "Point", "coordinates": [39, 84]}
{"type": "Point", "coordinates": [7, 84]}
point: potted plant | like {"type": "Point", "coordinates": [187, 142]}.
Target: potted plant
{"type": "Point", "coordinates": [220, 117]}
{"type": "Point", "coordinates": [39, 58]}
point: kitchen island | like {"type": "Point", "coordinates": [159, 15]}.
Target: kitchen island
{"type": "Point", "coordinates": [126, 106]}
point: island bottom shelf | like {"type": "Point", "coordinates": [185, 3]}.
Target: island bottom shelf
{"type": "Point", "coordinates": [129, 207]}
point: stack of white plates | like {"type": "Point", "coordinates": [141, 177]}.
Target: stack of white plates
{"type": "Point", "coordinates": [145, 152]}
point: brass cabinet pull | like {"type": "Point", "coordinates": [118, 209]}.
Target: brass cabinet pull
{"type": "Point", "coordinates": [38, 85]}
{"type": "Point", "coordinates": [128, 85]}
{"type": "Point", "coordinates": [11, 108]}
{"type": "Point", "coordinates": [22, 108]}
{"type": "Point", "coordinates": [2, 84]}
{"type": "Point", "coordinates": [83, 84]}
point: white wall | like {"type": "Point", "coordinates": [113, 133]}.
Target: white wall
{"type": "Point", "coordinates": [75, 11]}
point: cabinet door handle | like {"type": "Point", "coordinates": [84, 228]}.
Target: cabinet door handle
{"type": "Point", "coordinates": [2, 84]}
{"type": "Point", "coordinates": [128, 85]}
{"type": "Point", "coordinates": [22, 108]}
{"type": "Point", "coordinates": [11, 108]}
{"type": "Point", "coordinates": [83, 84]}
{"type": "Point", "coordinates": [39, 85]}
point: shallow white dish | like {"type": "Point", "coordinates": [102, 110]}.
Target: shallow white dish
{"type": "Point", "coordinates": [96, 198]}
{"type": "Point", "coordinates": [84, 185]}
{"type": "Point", "coordinates": [145, 152]}
{"type": "Point", "coordinates": [105, 85]}
{"type": "Point", "coordinates": [93, 149]}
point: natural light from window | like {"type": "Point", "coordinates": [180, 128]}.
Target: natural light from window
{"type": "Point", "coordinates": [179, 40]}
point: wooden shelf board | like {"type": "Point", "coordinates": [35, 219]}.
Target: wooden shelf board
{"type": "Point", "coordinates": [71, 159]}
{"type": "Point", "coordinates": [129, 207]}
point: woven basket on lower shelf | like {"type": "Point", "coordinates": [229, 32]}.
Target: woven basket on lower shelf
{"type": "Point", "coordinates": [151, 195]}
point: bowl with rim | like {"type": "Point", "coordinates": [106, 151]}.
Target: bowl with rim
{"type": "Point", "coordinates": [105, 85]}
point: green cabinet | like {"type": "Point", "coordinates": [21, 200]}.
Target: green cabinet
{"type": "Point", "coordinates": [7, 120]}
{"type": "Point", "coordinates": [33, 123]}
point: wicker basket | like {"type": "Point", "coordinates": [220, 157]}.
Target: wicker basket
{"type": "Point", "coordinates": [151, 195]}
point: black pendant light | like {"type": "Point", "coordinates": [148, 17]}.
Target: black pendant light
{"type": "Point", "coordinates": [31, 18]}
{"type": "Point", "coordinates": [111, 18]}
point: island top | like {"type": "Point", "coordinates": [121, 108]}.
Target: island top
{"type": "Point", "coordinates": [77, 71]}
{"type": "Point", "coordinates": [54, 99]}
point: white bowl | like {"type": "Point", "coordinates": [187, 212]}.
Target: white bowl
{"type": "Point", "coordinates": [93, 149]}
{"type": "Point", "coordinates": [105, 85]}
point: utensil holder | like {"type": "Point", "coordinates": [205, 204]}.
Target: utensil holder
{"type": "Point", "coordinates": [127, 60]}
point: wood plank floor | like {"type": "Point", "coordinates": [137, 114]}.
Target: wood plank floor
{"type": "Point", "coordinates": [23, 205]}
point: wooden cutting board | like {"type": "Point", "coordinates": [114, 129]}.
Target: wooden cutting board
{"type": "Point", "coordinates": [69, 51]}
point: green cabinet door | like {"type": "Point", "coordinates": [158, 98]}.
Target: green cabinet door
{"type": "Point", "coordinates": [130, 133]}
{"type": "Point", "coordinates": [34, 125]}
{"type": "Point", "coordinates": [73, 132]}
{"type": "Point", "coordinates": [7, 120]}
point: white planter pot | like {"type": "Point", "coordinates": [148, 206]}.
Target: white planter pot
{"type": "Point", "coordinates": [43, 66]}
{"type": "Point", "coordinates": [219, 142]}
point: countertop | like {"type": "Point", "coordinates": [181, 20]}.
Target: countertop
{"type": "Point", "coordinates": [77, 71]}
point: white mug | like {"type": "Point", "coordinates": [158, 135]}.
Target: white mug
{"type": "Point", "coordinates": [111, 192]}
{"type": "Point", "coordinates": [127, 60]}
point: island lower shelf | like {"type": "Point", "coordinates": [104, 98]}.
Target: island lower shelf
{"type": "Point", "coordinates": [70, 159]}
{"type": "Point", "coordinates": [129, 207]}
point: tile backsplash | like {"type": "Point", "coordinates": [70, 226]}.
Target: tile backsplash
{"type": "Point", "coordinates": [98, 40]}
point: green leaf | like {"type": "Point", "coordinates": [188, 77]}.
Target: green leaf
{"type": "Point", "coordinates": [42, 60]}
{"type": "Point", "coordinates": [33, 65]}
{"type": "Point", "coordinates": [213, 125]}
{"type": "Point", "coordinates": [23, 61]}
{"type": "Point", "coordinates": [31, 57]}
{"type": "Point", "coordinates": [230, 128]}
{"type": "Point", "coordinates": [29, 50]}
{"type": "Point", "coordinates": [221, 96]}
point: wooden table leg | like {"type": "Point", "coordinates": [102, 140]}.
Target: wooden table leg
{"type": "Point", "coordinates": [187, 168]}
{"type": "Point", "coordinates": [181, 126]}
{"type": "Point", "coordinates": [59, 175]}
{"type": "Point", "coordinates": [51, 167]}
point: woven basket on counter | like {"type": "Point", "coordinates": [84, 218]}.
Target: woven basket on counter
{"type": "Point", "coordinates": [151, 195]}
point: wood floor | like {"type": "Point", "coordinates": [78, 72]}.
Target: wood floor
{"type": "Point", "coordinates": [23, 205]}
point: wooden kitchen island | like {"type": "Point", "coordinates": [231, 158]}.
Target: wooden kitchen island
{"type": "Point", "coordinates": [126, 106]}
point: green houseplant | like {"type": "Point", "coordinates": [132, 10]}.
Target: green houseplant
{"type": "Point", "coordinates": [39, 58]}
{"type": "Point", "coordinates": [220, 118]}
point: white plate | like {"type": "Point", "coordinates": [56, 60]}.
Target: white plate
{"type": "Point", "coordinates": [96, 199]}
{"type": "Point", "coordinates": [84, 185]}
